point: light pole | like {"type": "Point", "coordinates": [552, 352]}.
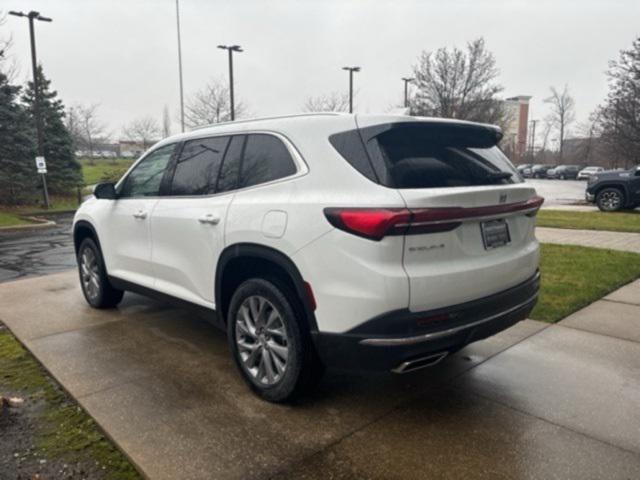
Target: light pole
{"type": "Point", "coordinates": [31, 16]}
{"type": "Point", "coordinates": [231, 49]}
{"type": "Point", "coordinates": [351, 70]}
{"type": "Point", "coordinates": [406, 81]}
{"type": "Point", "coordinates": [180, 65]}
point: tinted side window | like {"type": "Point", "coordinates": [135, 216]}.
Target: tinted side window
{"type": "Point", "coordinates": [197, 169]}
{"type": "Point", "coordinates": [265, 159]}
{"type": "Point", "coordinates": [144, 179]}
{"type": "Point", "coordinates": [349, 145]}
{"type": "Point", "coordinates": [228, 178]}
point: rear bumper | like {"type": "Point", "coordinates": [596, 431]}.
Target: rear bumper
{"type": "Point", "coordinates": [589, 197]}
{"type": "Point", "coordinates": [390, 341]}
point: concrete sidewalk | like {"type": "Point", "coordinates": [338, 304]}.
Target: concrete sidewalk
{"type": "Point", "coordinates": [536, 401]}
{"type": "Point", "coordinates": [627, 242]}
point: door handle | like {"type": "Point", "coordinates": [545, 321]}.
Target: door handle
{"type": "Point", "coordinates": [210, 219]}
{"type": "Point", "coordinates": [140, 214]}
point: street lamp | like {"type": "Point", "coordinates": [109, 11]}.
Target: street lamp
{"type": "Point", "coordinates": [231, 49]}
{"type": "Point", "coordinates": [351, 70]}
{"type": "Point", "coordinates": [180, 65]}
{"type": "Point", "coordinates": [406, 81]}
{"type": "Point", "coordinates": [31, 16]}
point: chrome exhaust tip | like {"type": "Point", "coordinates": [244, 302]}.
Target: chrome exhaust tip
{"type": "Point", "coordinates": [418, 363]}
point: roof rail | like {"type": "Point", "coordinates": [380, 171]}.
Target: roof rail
{"type": "Point", "coordinates": [275, 117]}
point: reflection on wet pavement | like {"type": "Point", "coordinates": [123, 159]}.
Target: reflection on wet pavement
{"type": "Point", "coordinates": [29, 253]}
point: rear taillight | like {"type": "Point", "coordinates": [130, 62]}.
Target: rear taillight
{"type": "Point", "coordinates": [373, 223]}
{"type": "Point", "coordinates": [376, 223]}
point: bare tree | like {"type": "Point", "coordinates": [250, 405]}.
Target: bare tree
{"type": "Point", "coordinates": [166, 123]}
{"type": "Point", "coordinates": [211, 105]}
{"type": "Point", "coordinates": [585, 150]}
{"type": "Point", "coordinates": [86, 128]}
{"type": "Point", "coordinates": [619, 115]}
{"type": "Point", "coordinates": [8, 65]}
{"type": "Point", "coordinates": [332, 102]}
{"type": "Point", "coordinates": [144, 130]}
{"type": "Point", "coordinates": [458, 84]}
{"type": "Point", "coordinates": [562, 113]}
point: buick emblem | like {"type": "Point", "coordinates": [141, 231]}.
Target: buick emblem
{"type": "Point", "coordinates": [503, 198]}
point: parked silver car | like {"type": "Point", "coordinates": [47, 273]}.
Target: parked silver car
{"type": "Point", "coordinates": [586, 173]}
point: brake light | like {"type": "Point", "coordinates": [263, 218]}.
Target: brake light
{"type": "Point", "coordinates": [376, 223]}
{"type": "Point", "coordinates": [373, 223]}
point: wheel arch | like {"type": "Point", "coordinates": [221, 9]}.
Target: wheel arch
{"type": "Point", "coordinates": [619, 185]}
{"type": "Point", "coordinates": [232, 270]}
{"type": "Point", "coordinates": [84, 229]}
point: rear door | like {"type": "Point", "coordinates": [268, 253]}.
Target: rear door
{"type": "Point", "coordinates": [472, 228]}
{"type": "Point", "coordinates": [187, 225]}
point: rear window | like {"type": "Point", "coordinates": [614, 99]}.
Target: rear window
{"type": "Point", "coordinates": [265, 159]}
{"type": "Point", "coordinates": [418, 155]}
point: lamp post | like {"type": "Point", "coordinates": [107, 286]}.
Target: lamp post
{"type": "Point", "coordinates": [406, 81]}
{"type": "Point", "coordinates": [231, 49]}
{"type": "Point", "coordinates": [31, 16]}
{"type": "Point", "coordinates": [180, 66]}
{"type": "Point", "coordinates": [351, 70]}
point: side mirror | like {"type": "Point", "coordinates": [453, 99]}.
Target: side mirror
{"type": "Point", "coordinates": [105, 191]}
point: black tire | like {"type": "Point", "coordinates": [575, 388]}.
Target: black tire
{"type": "Point", "coordinates": [610, 199]}
{"type": "Point", "coordinates": [96, 288]}
{"type": "Point", "coordinates": [562, 177]}
{"type": "Point", "coordinates": [302, 368]}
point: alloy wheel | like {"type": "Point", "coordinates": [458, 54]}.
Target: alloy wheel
{"type": "Point", "coordinates": [89, 273]}
{"type": "Point", "coordinates": [610, 200]}
{"type": "Point", "coordinates": [262, 341]}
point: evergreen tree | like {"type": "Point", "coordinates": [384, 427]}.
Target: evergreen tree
{"type": "Point", "coordinates": [17, 147]}
{"type": "Point", "coordinates": [63, 170]}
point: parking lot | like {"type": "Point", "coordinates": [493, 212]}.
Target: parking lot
{"type": "Point", "coordinates": [559, 192]}
{"type": "Point", "coordinates": [536, 401]}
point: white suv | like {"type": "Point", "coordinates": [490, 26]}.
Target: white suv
{"type": "Point", "coordinates": [356, 242]}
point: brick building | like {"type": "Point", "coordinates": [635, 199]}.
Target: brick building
{"type": "Point", "coordinates": [514, 142]}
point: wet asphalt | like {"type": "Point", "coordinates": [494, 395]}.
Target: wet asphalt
{"type": "Point", "coordinates": [31, 253]}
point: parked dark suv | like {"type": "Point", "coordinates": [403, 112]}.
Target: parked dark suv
{"type": "Point", "coordinates": [564, 172]}
{"type": "Point", "coordinates": [614, 190]}
{"type": "Point", "coordinates": [540, 171]}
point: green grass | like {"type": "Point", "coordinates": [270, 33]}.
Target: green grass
{"type": "Point", "coordinates": [613, 221]}
{"type": "Point", "coordinates": [96, 171]}
{"type": "Point", "coordinates": [62, 429]}
{"type": "Point", "coordinates": [11, 220]}
{"type": "Point", "coordinates": [58, 203]}
{"type": "Point", "coordinates": [93, 171]}
{"type": "Point", "coordinates": [573, 277]}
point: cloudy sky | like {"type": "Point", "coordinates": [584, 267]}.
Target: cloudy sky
{"type": "Point", "coordinates": [123, 54]}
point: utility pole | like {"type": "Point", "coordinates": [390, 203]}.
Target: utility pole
{"type": "Point", "coordinates": [231, 49]}
{"type": "Point", "coordinates": [31, 16]}
{"type": "Point", "coordinates": [180, 66]}
{"type": "Point", "coordinates": [351, 70]}
{"type": "Point", "coordinates": [406, 90]}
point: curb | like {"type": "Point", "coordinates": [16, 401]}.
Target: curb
{"type": "Point", "coordinates": [48, 212]}
{"type": "Point", "coordinates": [40, 224]}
